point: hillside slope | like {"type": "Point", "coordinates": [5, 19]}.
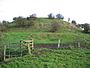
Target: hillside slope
{"type": "Point", "coordinates": [47, 25]}
{"type": "Point", "coordinates": [42, 32]}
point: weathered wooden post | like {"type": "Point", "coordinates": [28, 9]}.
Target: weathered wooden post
{"type": "Point", "coordinates": [78, 44]}
{"type": "Point", "coordinates": [21, 48]}
{"type": "Point", "coordinates": [29, 49]}
{"type": "Point", "coordinates": [59, 43]}
{"type": "Point", "coordinates": [4, 52]}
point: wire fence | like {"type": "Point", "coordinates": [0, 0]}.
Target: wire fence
{"type": "Point", "coordinates": [10, 50]}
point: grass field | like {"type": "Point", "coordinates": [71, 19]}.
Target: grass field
{"type": "Point", "coordinates": [57, 58]}
{"type": "Point", "coordinates": [44, 37]}
{"type": "Point", "coordinates": [48, 58]}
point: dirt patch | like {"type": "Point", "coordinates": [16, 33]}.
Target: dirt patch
{"type": "Point", "coordinates": [55, 46]}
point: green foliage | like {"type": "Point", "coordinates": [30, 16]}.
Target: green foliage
{"type": "Point", "coordinates": [43, 24]}
{"type": "Point", "coordinates": [87, 28]}
{"type": "Point", "coordinates": [23, 22]}
{"type": "Point", "coordinates": [59, 16]}
{"type": "Point", "coordinates": [46, 58]}
{"type": "Point", "coordinates": [42, 37]}
{"type": "Point", "coordinates": [54, 27]}
{"type": "Point", "coordinates": [51, 16]}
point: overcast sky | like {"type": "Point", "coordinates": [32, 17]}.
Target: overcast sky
{"type": "Point", "coordinates": [78, 10]}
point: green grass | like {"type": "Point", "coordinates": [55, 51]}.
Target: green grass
{"type": "Point", "coordinates": [47, 58]}
{"type": "Point", "coordinates": [43, 37]}
{"type": "Point", "coordinates": [57, 58]}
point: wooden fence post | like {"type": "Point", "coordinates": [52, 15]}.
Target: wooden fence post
{"type": "Point", "coordinates": [32, 44]}
{"type": "Point", "coordinates": [21, 48]}
{"type": "Point", "coordinates": [9, 50]}
{"type": "Point", "coordinates": [4, 52]}
{"type": "Point", "coordinates": [59, 43]}
{"type": "Point", "coordinates": [29, 49]}
{"type": "Point", "coordinates": [79, 44]}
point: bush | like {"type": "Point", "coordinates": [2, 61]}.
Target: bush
{"type": "Point", "coordinates": [74, 22]}
{"type": "Point", "coordinates": [87, 28]}
{"type": "Point", "coordinates": [59, 16]}
{"type": "Point", "coordinates": [33, 16]}
{"type": "Point", "coordinates": [54, 26]}
{"type": "Point", "coordinates": [51, 16]}
{"type": "Point", "coordinates": [23, 22]}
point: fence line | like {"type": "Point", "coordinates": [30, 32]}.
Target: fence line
{"type": "Point", "coordinates": [12, 50]}
{"type": "Point", "coordinates": [17, 50]}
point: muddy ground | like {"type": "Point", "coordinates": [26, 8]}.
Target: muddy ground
{"type": "Point", "coordinates": [54, 46]}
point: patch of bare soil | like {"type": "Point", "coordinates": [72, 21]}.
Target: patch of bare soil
{"type": "Point", "coordinates": [55, 46]}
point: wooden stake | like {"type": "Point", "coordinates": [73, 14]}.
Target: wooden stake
{"type": "Point", "coordinates": [32, 45]}
{"type": "Point", "coordinates": [21, 48]}
{"type": "Point", "coordinates": [78, 44]}
{"type": "Point", "coordinates": [29, 49]}
{"type": "Point", "coordinates": [4, 52]}
{"type": "Point", "coordinates": [59, 43]}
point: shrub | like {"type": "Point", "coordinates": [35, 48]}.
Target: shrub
{"type": "Point", "coordinates": [54, 26]}
{"type": "Point", "coordinates": [33, 16]}
{"type": "Point", "coordinates": [23, 22]}
{"type": "Point", "coordinates": [59, 16]}
{"type": "Point", "coordinates": [74, 22]}
{"type": "Point", "coordinates": [87, 28]}
{"type": "Point", "coordinates": [51, 16]}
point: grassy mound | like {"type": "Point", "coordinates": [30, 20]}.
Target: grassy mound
{"type": "Point", "coordinates": [42, 33]}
